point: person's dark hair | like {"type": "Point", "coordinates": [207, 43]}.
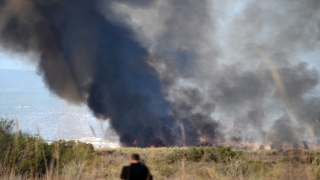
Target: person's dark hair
{"type": "Point", "coordinates": [135, 157]}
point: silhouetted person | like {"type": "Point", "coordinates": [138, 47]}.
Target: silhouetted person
{"type": "Point", "coordinates": [136, 170]}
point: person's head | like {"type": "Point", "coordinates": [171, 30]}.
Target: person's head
{"type": "Point", "coordinates": [135, 158]}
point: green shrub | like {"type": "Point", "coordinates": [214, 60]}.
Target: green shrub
{"type": "Point", "coordinates": [32, 154]}
{"type": "Point", "coordinates": [221, 154]}
{"type": "Point", "coordinates": [176, 155]}
{"type": "Point", "coordinates": [23, 154]}
{"type": "Point", "coordinates": [6, 140]}
{"type": "Point", "coordinates": [194, 154]}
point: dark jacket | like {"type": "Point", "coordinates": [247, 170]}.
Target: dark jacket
{"type": "Point", "coordinates": [135, 172]}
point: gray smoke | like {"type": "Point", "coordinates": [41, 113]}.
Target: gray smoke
{"type": "Point", "coordinates": [286, 31]}
{"type": "Point", "coordinates": [216, 55]}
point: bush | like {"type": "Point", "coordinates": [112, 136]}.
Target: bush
{"type": "Point", "coordinates": [176, 155]}
{"type": "Point", "coordinates": [196, 154]}
{"type": "Point", "coordinates": [31, 155]}
{"type": "Point", "coordinates": [19, 152]}
{"type": "Point", "coordinates": [23, 154]}
{"type": "Point", "coordinates": [6, 139]}
{"type": "Point", "coordinates": [222, 154]}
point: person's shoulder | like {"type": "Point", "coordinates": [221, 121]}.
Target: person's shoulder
{"type": "Point", "coordinates": [124, 173]}
{"type": "Point", "coordinates": [143, 166]}
{"type": "Point", "coordinates": [125, 168]}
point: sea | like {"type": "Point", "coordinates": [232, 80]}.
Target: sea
{"type": "Point", "coordinates": [25, 98]}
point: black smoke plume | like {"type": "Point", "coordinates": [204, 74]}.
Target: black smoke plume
{"type": "Point", "coordinates": [86, 57]}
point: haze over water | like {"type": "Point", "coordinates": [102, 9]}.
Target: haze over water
{"type": "Point", "coordinates": [24, 96]}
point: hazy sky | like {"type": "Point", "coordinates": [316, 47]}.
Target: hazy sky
{"type": "Point", "coordinates": [15, 61]}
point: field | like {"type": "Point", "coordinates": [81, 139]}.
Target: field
{"type": "Point", "coordinates": [26, 157]}
{"type": "Point", "coordinates": [217, 163]}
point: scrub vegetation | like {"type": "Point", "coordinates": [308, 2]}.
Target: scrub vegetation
{"type": "Point", "coordinates": [26, 157]}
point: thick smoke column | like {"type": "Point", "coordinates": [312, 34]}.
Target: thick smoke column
{"type": "Point", "coordinates": [179, 40]}
{"type": "Point", "coordinates": [88, 54]}
{"type": "Point", "coordinates": [85, 57]}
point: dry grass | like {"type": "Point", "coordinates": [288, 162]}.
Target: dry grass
{"type": "Point", "coordinates": [262, 164]}
{"type": "Point", "coordinates": [26, 158]}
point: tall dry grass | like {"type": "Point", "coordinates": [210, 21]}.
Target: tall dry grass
{"type": "Point", "coordinates": [30, 158]}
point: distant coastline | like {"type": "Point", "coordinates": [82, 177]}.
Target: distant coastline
{"type": "Point", "coordinates": [23, 96]}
